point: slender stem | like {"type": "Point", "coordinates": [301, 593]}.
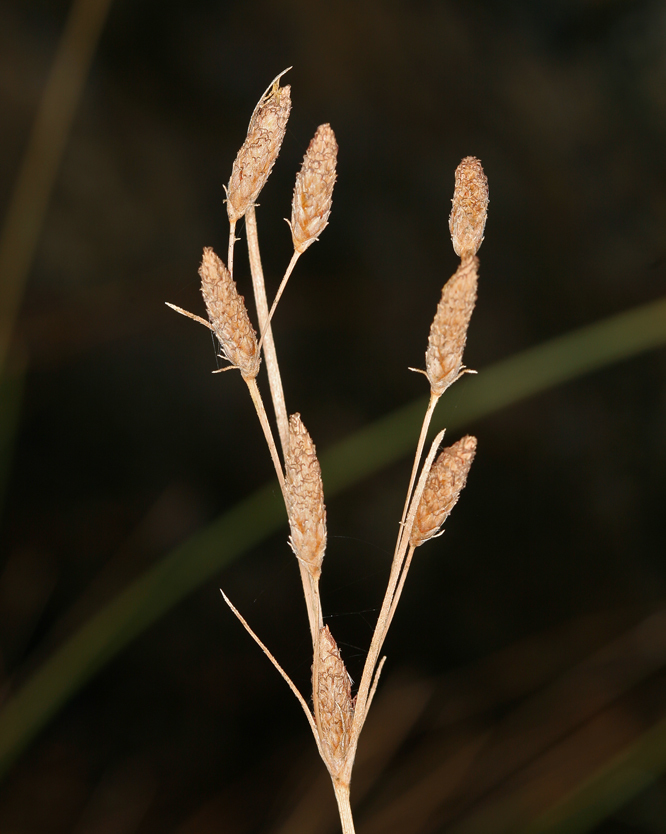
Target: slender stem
{"type": "Point", "coordinates": [268, 434]}
{"type": "Point", "coordinates": [278, 295]}
{"type": "Point", "coordinates": [434, 399]}
{"type": "Point", "coordinates": [401, 585]}
{"type": "Point", "coordinates": [344, 808]}
{"type": "Point", "coordinates": [230, 252]}
{"type": "Point", "coordinates": [272, 367]}
{"type": "Point", "coordinates": [375, 683]}
{"type": "Point", "coordinates": [310, 586]}
{"type": "Point", "coordinates": [385, 615]}
{"type": "Point", "coordinates": [312, 601]}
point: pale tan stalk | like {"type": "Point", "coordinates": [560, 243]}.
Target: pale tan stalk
{"type": "Point", "coordinates": [272, 367]}
{"type": "Point", "coordinates": [268, 433]}
{"type": "Point", "coordinates": [434, 399]}
{"type": "Point", "coordinates": [230, 249]}
{"type": "Point", "coordinates": [384, 619]}
{"type": "Point", "coordinates": [442, 485]}
{"type": "Point", "coordinates": [312, 601]}
{"type": "Point", "coordinates": [344, 807]}
{"type": "Point", "coordinates": [278, 294]}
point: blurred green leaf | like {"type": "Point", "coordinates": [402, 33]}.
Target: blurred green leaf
{"type": "Point", "coordinates": [256, 517]}
{"type": "Point", "coordinates": [609, 789]}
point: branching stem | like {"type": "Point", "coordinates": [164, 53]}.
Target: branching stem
{"type": "Point", "coordinates": [278, 295]}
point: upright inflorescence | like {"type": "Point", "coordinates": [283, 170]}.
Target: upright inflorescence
{"type": "Point", "coordinates": [448, 332]}
{"type": "Point", "coordinates": [313, 192]}
{"type": "Point", "coordinates": [336, 718]}
{"type": "Point", "coordinates": [467, 221]}
{"type": "Point", "coordinates": [254, 161]}
{"type": "Point", "coordinates": [334, 706]}
{"type": "Point", "coordinates": [305, 498]}
{"type": "Point", "coordinates": [446, 479]}
{"type": "Point", "coordinates": [228, 316]}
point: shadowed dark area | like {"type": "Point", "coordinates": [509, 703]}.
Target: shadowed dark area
{"type": "Point", "coordinates": [529, 650]}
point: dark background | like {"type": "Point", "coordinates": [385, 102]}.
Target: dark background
{"type": "Point", "coordinates": [127, 444]}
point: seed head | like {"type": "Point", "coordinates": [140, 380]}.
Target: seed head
{"type": "Point", "coordinates": [313, 193]}
{"type": "Point", "coordinates": [334, 706]}
{"type": "Point", "coordinates": [448, 332]}
{"type": "Point", "coordinates": [470, 208]}
{"type": "Point", "coordinates": [259, 151]}
{"type": "Point", "coordinates": [228, 315]}
{"type": "Point", "coordinates": [444, 484]}
{"type": "Point", "coordinates": [305, 498]}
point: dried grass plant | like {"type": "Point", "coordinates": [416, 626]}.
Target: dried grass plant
{"type": "Point", "coordinates": [337, 716]}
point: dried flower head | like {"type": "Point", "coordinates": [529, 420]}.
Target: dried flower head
{"type": "Point", "coordinates": [313, 192]}
{"type": "Point", "coordinates": [448, 332]}
{"type": "Point", "coordinates": [305, 498]}
{"type": "Point", "coordinates": [334, 706]}
{"type": "Point", "coordinates": [470, 207]}
{"type": "Point", "coordinates": [228, 315]}
{"type": "Point", "coordinates": [259, 151]}
{"type": "Point", "coordinates": [444, 483]}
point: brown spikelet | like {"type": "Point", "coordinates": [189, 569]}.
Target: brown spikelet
{"type": "Point", "coordinates": [313, 193]}
{"type": "Point", "coordinates": [228, 315]}
{"type": "Point", "coordinates": [305, 498]}
{"type": "Point", "coordinates": [445, 481]}
{"type": "Point", "coordinates": [259, 151]}
{"type": "Point", "coordinates": [470, 208]}
{"type": "Point", "coordinates": [334, 706]}
{"type": "Point", "coordinates": [448, 332]}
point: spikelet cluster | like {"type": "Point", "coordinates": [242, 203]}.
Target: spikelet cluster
{"type": "Point", "coordinates": [448, 332]}
{"type": "Point", "coordinates": [256, 158]}
{"type": "Point", "coordinates": [467, 220]}
{"type": "Point", "coordinates": [334, 704]}
{"type": "Point", "coordinates": [228, 315]}
{"type": "Point", "coordinates": [445, 481]}
{"type": "Point", "coordinates": [313, 192]}
{"type": "Point", "coordinates": [305, 498]}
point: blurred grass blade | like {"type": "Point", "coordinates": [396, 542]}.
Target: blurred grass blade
{"type": "Point", "coordinates": [609, 789]}
{"type": "Point", "coordinates": [11, 397]}
{"type": "Point", "coordinates": [502, 384]}
{"type": "Point", "coordinates": [41, 161]}
{"type": "Point", "coordinates": [130, 612]}
{"type": "Point", "coordinates": [255, 518]}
